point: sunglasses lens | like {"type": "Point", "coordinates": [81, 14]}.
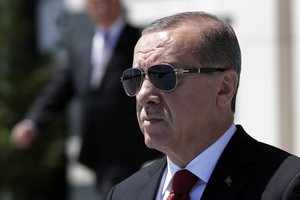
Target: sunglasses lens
{"type": "Point", "coordinates": [131, 81]}
{"type": "Point", "coordinates": [163, 77]}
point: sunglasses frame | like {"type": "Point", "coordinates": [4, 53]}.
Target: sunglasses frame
{"type": "Point", "coordinates": [176, 72]}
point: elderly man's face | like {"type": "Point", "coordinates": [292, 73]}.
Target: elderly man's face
{"type": "Point", "coordinates": [172, 122]}
{"type": "Point", "coordinates": [103, 12]}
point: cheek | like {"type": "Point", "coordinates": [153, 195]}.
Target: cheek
{"type": "Point", "coordinates": [194, 106]}
{"type": "Point", "coordinates": [138, 114]}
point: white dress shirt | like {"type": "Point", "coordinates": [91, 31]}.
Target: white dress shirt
{"type": "Point", "coordinates": [103, 44]}
{"type": "Point", "coordinates": [202, 166]}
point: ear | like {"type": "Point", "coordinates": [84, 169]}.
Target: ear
{"type": "Point", "coordinates": [228, 86]}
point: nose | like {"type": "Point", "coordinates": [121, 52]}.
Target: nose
{"type": "Point", "coordinates": [148, 93]}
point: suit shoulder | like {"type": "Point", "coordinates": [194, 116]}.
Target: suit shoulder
{"type": "Point", "coordinates": [272, 151]}
{"type": "Point", "coordinates": [146, 172]}
{"type": "Point", "coordinates": [278, 169]}
{"type": "Point", "coordinates": [265, 151]}
{"type": "Point", "coordinates": [134, 185]}
{"type": "Point", "coordinates": [286, 180]}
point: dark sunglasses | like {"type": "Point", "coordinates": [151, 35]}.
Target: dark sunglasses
{"type": "Point", "coordinates": [162, 76]}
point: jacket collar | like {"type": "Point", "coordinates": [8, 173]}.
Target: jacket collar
{"type": "Point", "coordinates": [150, 186]}
{"type": "Point", "coordinates": [233, 170]}
{"type": "Point", "coordinates": [229, 177]}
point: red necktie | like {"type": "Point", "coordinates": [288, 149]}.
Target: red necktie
{"type": "Point", "coordinates": [182, 183]}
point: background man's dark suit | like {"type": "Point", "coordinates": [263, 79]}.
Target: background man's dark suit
{"type": "Point", "coordinates": [247, 170]}
{"type": "Point", "coordinates": [110, 132]}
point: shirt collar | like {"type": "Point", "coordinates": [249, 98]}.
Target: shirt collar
{"type": "Point", "coordinates": [204, 164]}
{"type": "Point", "coordinates": [114, 30]}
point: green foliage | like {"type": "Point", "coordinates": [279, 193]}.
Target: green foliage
{"type": "Point", "coordinates": [23, 73]}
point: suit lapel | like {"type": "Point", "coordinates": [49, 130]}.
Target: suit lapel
{"type": "Point", "coordinates": [150, 187]}
{"type": "Point", "coordinates": [233, 170]}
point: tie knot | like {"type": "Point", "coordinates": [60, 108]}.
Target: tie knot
{"type": "Point", "coordinates": [183, 182]}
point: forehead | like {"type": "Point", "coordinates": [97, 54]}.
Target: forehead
{"type": "Point", "coordinates": [166, 46]}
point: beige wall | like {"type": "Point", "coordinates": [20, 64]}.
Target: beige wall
{"type": "Point", "coordinates": [296, 74]}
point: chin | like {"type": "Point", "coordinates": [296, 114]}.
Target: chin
{"type": "Point", "coordinates": [148, 141]}
{"type": "Point", "coordinates": [154, 141]}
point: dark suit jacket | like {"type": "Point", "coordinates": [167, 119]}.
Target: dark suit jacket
{"type": "Point", "coordinates": [107, 121]}
{"type": "Point", "coordinates": [257, 171]}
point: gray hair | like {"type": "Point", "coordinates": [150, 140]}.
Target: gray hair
{"type": "Point", "coordinates": [217, 45]}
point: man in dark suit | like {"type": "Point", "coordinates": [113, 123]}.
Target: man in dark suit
{"type": "Point", "coordinates": [185, 76]}
{"type": "Point", "coordinates": [110, 142]}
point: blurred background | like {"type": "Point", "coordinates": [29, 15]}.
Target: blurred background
{"type": "Point", "coordinates": [33, 37]}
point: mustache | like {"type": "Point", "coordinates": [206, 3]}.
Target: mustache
{"type": "Point", "coordinates": [152, 112]}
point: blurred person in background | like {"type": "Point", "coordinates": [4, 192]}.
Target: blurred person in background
{"type": "Point", "coordinates": [108, 127]}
